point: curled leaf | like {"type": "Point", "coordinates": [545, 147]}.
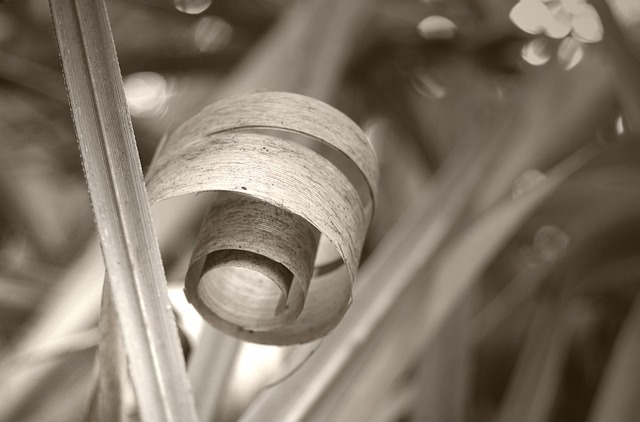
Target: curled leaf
{"type": "Point", "coordinates": [291, 169]}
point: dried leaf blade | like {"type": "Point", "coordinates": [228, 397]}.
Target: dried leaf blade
{"type": "Point", "coordinates": [121, 209]}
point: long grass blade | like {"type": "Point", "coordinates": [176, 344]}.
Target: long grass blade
{"type": "Point", "coordinates": [538, 374]}
{"type": "Point", "coordinates": [121, 209]}
{"type": "Point", "coordinates": [623, 55]}
{"type": "Point", "coordinates": [445, 370]}
{"type": "Point", "coordinates": [308, 49]}
{"type": "Point", "coordinates": [210, 373]}
{"type": "Point", "coordinates": [111, 392]}
{"type": "Point", "coordinates": [618, 398]}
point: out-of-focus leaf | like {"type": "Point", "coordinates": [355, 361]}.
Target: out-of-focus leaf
{"type": "Point", "coordinates": [618, 396]}
{"type": "Point", "coordinates": [110, 400]}
{"type": "Point", "coordinates": [399, 258]}
{"type": "Point", "coordinates": [538, 374]}
{"type": "Point", "coordinates": [449, 282]}
{"type": "Point", "coordinates": [307, 51]}
{"type": "Point", "coordinates": [623, 57]}
{"type": "Point", "coordinates": [210, 376]}
{"type": "Point", "coordinates": [541, 135]}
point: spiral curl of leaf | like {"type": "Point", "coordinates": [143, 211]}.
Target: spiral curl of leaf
{"type": "Point", "coordinates": [290, 170]}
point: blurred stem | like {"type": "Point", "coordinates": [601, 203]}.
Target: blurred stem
{"type": "Point", "coordinates": [307, 50]}
{"type": "Point", "coordinates": [622, 55]}
{"type": "Point", "coordinates": [113, 380]}
{"type": "Point", "coordinates": [507, 301]}
{"type": "Point", "coordinates": [445, 370]}
{"type": "Point", "coordinates": [27, 208]}
{"type": "Point", "coordinates": [33, 76]}
{"type": "Point", "coordinates": [536, 378]}
{"type": "Point", "coordinates": [618, 399]}
{"type": "Point", "coordinates": [210, 370]}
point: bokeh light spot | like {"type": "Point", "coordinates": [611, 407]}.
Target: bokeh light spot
{"type": "Point", "coordinates": [428, 87]}
{"type": "Point", "coordinates": [536, 52]}
{"type": "Point", "coordinates": [527, 181]}
{"type": "Point", "coordinates": [570, 53]}
{"type": "Point", "coordinates": [550, 243]}
{"type": "Point", "coordinates": [191, 321]}
{"type": "Point", "coordinates": [586, 25]}
{"type": "Point", "coordinates": [437, 28]}
{"type": "Point", "coordinates": [212, 34]}
{"type": "Point", "coordinates": [147, 94]}
{"type": "Point", "coordinates": [254, 367]}
{"type": "Point", "coordinates": [559, 26]}
{"type": "Point", "coordinates": [192, 7]}
{"type": "Point", "coordinates": [531, 16]}
{"type": "Point", "coordinates": [573, 6]}
{"type": "Point", "coordinates": [620, 126]}
{"type": "Point", "coordinates": [558, 18]}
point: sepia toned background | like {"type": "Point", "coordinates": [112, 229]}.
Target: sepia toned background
{"type": "Point", "coordinates": [500, 276]}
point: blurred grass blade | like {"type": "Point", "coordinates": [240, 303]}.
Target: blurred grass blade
{"type": "Point", "coordinates": [618, 399]}
{"type": "Point", "coordinates": [623, 57]}
{"type": "Point", "coordinates": [507, 301]}
{"type": "Point", "coordinates": [307, 50]}
{"type": "Point", "coordinates": [121, 210]}
{"type": "Point", "coordinates": [538, 374]}
{"type": "Point", "coordinates": [396, 405]}
{"type": "Point", "coordinates": [210, 373]}
{"type": "Point", "coordinates": [444, 372]}
{"type": "Point", "coordinates": [68, 310]}
{"type": "Point", "coordinates": [385, 282]}
{"type": "Point", "coordinates": [542, 137]}
{"type": "Point", "coordinates": [111, 392]}
{"type": "Point", "coordinates": [38, 78]}
{"type": "Point", "coordinates": [388, 273]}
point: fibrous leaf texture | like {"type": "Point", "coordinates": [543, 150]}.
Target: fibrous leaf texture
{"type": "Point", "coordinates": [121, 210]}
{"type": "Point", "coordinates": [290, 170]}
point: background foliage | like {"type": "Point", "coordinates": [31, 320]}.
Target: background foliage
{"type": "Point", "coordinates": [500, 277]}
